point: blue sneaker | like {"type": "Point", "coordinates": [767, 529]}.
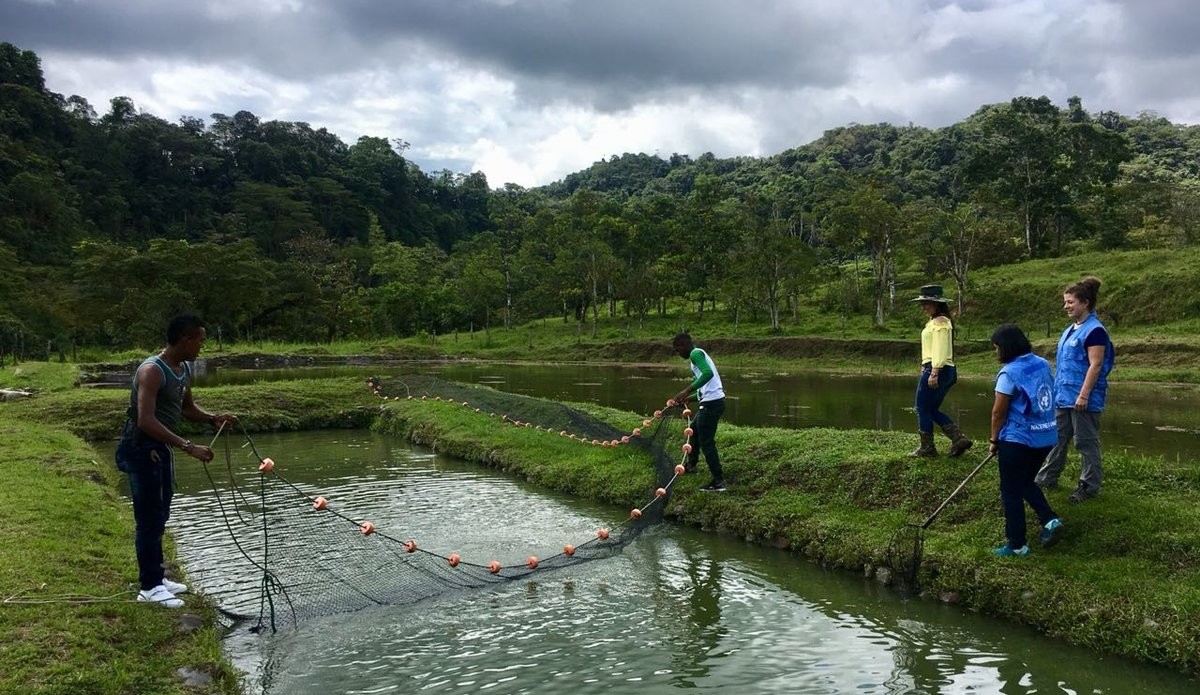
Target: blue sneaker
{"type": "Point", "coordinates": [1049, 532]}
{"type": "Point", "coordinates": [1007, 550]}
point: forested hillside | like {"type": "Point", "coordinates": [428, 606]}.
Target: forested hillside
{"type": "Point", "coordinates": [271, 229]}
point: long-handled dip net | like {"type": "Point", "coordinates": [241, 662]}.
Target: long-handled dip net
{"type": "Point", "coordinates": [309, 555]}
{"type": "Point", "coordinates": [908, 542]}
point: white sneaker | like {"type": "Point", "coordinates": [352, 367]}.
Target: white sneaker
{"type": "Point", "coordinates": [161, 596]}
{"type": "Point", "coordinates": [174, 587]}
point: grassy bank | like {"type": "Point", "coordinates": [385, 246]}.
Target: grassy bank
{"type": "Point", "coordinates": [1125, 579]}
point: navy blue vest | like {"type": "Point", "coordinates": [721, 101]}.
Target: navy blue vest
{"type": "Point", "coordinates": [1031, 410]}
{"type": "Point", "coordinates": [1071, 365]}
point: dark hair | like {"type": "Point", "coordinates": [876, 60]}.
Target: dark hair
{"type": "Point", "coordinates": [1086, 290]}
{"type": "Point", "coordinates": [183, 326]}
{"type": "Point", "coordinates": [1011, 341]}
{"type": "Point", "coordinates": [681, 338]}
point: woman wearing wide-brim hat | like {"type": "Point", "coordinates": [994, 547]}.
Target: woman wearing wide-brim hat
{"type": "Point", "coordinates": [938, 374]}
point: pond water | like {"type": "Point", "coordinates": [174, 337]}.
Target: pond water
{"type": "Point", "coordinates": [1150, 419]}
{"type": "Point", "coordinates": [678, 609]}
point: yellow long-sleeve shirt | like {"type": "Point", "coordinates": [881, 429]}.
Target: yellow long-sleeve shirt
{"type": "Point", "coordinates": [937, 343]}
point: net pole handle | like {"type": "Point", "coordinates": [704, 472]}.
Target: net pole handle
{"type": "Point", "coordinates": [957, 490]}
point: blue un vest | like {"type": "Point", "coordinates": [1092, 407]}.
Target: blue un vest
{"type": "Point", "coordinates": [1031, 410]}
{"type": "Point", "coordinates": [1071, 365]}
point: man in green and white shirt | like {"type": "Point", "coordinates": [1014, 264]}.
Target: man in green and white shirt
{"type": "Point", "coordinates": [707, 389]}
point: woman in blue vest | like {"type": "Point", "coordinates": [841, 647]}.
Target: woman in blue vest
{"type": "Point", "coordinates": [1023, 432]}
{"type": "Point", "coordinates": [1081, 366]}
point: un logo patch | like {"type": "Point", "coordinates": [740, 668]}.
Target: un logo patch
{"type": "Point", "coordinates": [1045, 397]}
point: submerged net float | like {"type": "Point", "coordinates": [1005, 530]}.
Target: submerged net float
{"type": "Point", "coordinates": [531, 563]}
{"type": "Point", "coordinates": [494, 567]}
{"type": "Point", "coordinates": [266, 466]}
{"type": "Point", "coordinates": [320, 503]}
{"type": "Point", "coordinates": [367, 528]}
{"type": "Point", "coordinates": [568, 550]}
{"type": "Point", "coordinates": [602, 534]}
{"type": "Point", "coordinates": [635, 513]}
{"type": "Point", "coordinates": [453, 559]}
{"type": "Point", "coordinates": [410, 546]}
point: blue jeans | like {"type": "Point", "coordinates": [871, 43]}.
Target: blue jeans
{"type": "Point", "coordinates": [929, 401]}
{"type": "Point", "coordinates": [1019, 465]}
{"type": "Point", "coordinates": [151, 474]}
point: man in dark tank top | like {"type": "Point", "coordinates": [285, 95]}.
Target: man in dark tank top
{"type": "Point", "coordinates": [160, 396]}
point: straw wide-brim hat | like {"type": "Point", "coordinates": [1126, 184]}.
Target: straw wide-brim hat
{"type": "Point", "coordinates": [931, 293]}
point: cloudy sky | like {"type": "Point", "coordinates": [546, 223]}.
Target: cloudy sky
{"type": "Point", "coordinates": [528, 91]}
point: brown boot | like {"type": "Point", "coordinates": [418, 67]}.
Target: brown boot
{"type": "Point", "coordinates": [958, 441]}
{"type": "Point", "coordinates": [927, 449]}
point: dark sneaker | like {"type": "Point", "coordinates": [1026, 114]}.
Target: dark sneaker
{"type": "Point", "coordinates": [714, 486]}
{"type": "Point", "coordinates": [1007, 550]}
{"type": "Point", "coordinates": [1049, 532]}
{"type": "Point", "coordinates": [1082, 494]}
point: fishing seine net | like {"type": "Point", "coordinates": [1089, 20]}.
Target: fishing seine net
{"type": "Point", "coordinates": [308, 556]}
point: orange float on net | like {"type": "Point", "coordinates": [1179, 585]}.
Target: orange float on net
{"type": "Point", "coordinates": [615, 442]}
{"type": "Point", "coordinates": [660, 492]}
{"type": "Point", "coordinates": [453, 559]}
{"type": "Point", "coordinates": [494, 567]}
{"type": "Point", "coordinates": [687, 448]}
{"type": "Point", "coordinates": [637, 431]}
{"type": "Point", "coordinates": [635, 513]}
{"type": "Point", "coordinates": [625, 439]}
{"type": "Point", "coordinates": [320, 503]}
{"type": "Point", "coordinates": [657, 413]}
{"type": "Point", "coordinates": [670, 402]}
{"type": "Point", "coordinates": [602, 534]}
{"type": "Point", "coordinates": [687, 412]}
{"type": "Point", "coordinates": [646, 422]}
{"type": "Point", "coordinates": [568, 550]}
{"type": "Point", "coordinates": [680, 470]}
{"type": "Point", "coordinates": [266, 465]}
{"type": "Point", "coordinates": [531, 563]}
{"type": "Point", "coordinates": [688, 431]}
{"type": "Point", "coordinates": [367, 528]}
{"type": "Point", "coordinates": [410, 546]}
{"type": "Point", "coordinates": [409, 398]}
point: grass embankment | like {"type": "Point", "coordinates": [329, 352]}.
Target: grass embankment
{"type": "Point", "coordinates": [1124, 578]}
{"type": "Point", "coordinates": [64, 530]}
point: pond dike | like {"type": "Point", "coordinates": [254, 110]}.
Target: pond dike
{"type": "Point", "coordinates": [1124, 578]}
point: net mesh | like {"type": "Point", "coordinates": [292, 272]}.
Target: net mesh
{"type": "Point", "coordinates": [305, 556]}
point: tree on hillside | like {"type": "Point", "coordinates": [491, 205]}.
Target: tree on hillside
{"type": "Point", "coordinates": [863, 215]}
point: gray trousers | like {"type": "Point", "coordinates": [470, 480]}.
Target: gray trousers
{"type": "Point", "coordinates": [1085, 428]}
